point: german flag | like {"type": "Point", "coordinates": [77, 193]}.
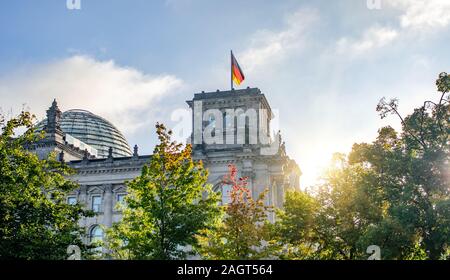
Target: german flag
{"type": "Point", "coordinates": [236, 73]}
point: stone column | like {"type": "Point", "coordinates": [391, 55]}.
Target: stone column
{"type": "Point", "coordinates": [83, 200]}
{"type": "Point", "coordinates": [82, 196]}
{"type": "Point", "coordinates": [247, 171]}
{"type": "Point", "coordinates": [107, 205]}
{"type": "Point", "coordinates": [262, 182]}
{"type": "Point", "coordinates": [278, 185]}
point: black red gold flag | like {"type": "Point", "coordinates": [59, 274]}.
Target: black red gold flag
{"type": "Point", "coordinates": [237, 76]}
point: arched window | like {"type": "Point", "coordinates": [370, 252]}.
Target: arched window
{"type": "Point", "coordinates": [226, 194]}
{"type": "Point", "coordinates": [96, 233]}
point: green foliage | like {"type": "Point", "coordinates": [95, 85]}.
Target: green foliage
{"type": "Point", "coordinates": [167, 205]}
{"type": "Point", "coordinates": [414, 171]}
{"type": "Point", "coordinates": [349, 203]}
{"type": "Point", "coordinates": [395, 192]}
{"type": "Point", "coordinates": [297, 218]}
{"type": "Point", "coordinates": [243, 234]}
{"type": "Point", "coordinates": [35, 220]}
{"type": "Point", "coordinates": [294, 230]}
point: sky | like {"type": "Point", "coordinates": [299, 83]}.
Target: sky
{"type": "Point", "coordinates": [323, 65]}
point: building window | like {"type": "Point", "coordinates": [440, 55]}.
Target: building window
{"type": "Point", "coordinates": [71, 200]}
{"type": "Point", "coordinates": [226, 194]}
{"type": "Point", "coordinates": [97, 203]}
{"type": "Point", "coordinates": [96, 234]}
{"type": "Point", "coordinates": [121, 198]}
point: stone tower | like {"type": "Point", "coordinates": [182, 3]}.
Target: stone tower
{"type": "Point", "coordinates": [233, 127]}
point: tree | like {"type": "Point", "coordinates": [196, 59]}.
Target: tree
{"type": "Point", "coordinates": [418, 173]}
{"type": "Point", "coordinates": [243, 233]}
{"type": "Point", "coordinates": [35, 220]}
{"type": "Point", "coordinates": [349, 204]}
{"type": "Point", "coordinates": [166, 207]}
{"type": "Point", "coordinates": [294, 228]}
{"type": "Point", "coordinates": [394, 192]}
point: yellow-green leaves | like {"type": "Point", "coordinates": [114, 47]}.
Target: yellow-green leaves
{"type": "Point", "coordinates": [167, 206]}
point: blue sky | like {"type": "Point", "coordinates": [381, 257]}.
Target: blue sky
{"type": "Point", "coordinates": [322, 64]}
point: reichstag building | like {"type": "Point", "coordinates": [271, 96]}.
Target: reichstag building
{"type": "Point", "coordinates": [104, 160]}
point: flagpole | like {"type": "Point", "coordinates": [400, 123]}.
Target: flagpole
{"type": "Point", "coordinates": [231, 69]}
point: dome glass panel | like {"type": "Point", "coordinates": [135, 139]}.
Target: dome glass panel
{"type": "Point", "coordinates": [94, 131]}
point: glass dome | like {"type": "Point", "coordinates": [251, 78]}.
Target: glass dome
{"type": "Point", "coordinates": [94, 131]}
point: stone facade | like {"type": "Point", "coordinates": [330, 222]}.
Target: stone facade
{"type": "Point", "coordinates": [104, 179]}
{"type": "Point", "coordinates": [258, 157]}
{"type": "Point", "coordinates": [263, 161]}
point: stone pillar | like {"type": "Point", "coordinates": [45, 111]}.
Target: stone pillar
{"type": "Point", "coordinates": [82, 199]}
{"type": "Point", "coordinates": [82, 196]}
{"type": "Point", "coordinates": [277, 194]}
{"type": "Point", "coordinates": [262, 182]}
{"type": "Point", "coordinates": [108, 206]}
{"type": "Point", "coordinates": [280, 197]}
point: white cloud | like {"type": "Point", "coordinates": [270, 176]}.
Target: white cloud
{"type": "Point", "coordinates": [415, 16]}
{"type": "Point", "coordinates": [423, 14]}
{"type": "Point", "coordinates": [267, 46]}
{"type": "Point", "coordinates": [270, 47]}
{"type": "Point", "coordinates": [122, 95]}
{"type": "Point", "coordinates": [373, 38]}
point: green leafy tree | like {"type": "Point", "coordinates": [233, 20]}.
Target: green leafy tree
{"type": "Point", "coordinates": [244, 231]}
{"type": "Point", "coordinates": [293, 230]}
{"type": "Point", "coordinates": [348, 206]}
{"type": "Point", "coordinates": [167, 205]}
{"type": "Point", "coordinates": [414, 168]}
{"type": "Point", "coordinates": [35, 220]}
{"type": "Point", "coordinates": [394, 192]}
